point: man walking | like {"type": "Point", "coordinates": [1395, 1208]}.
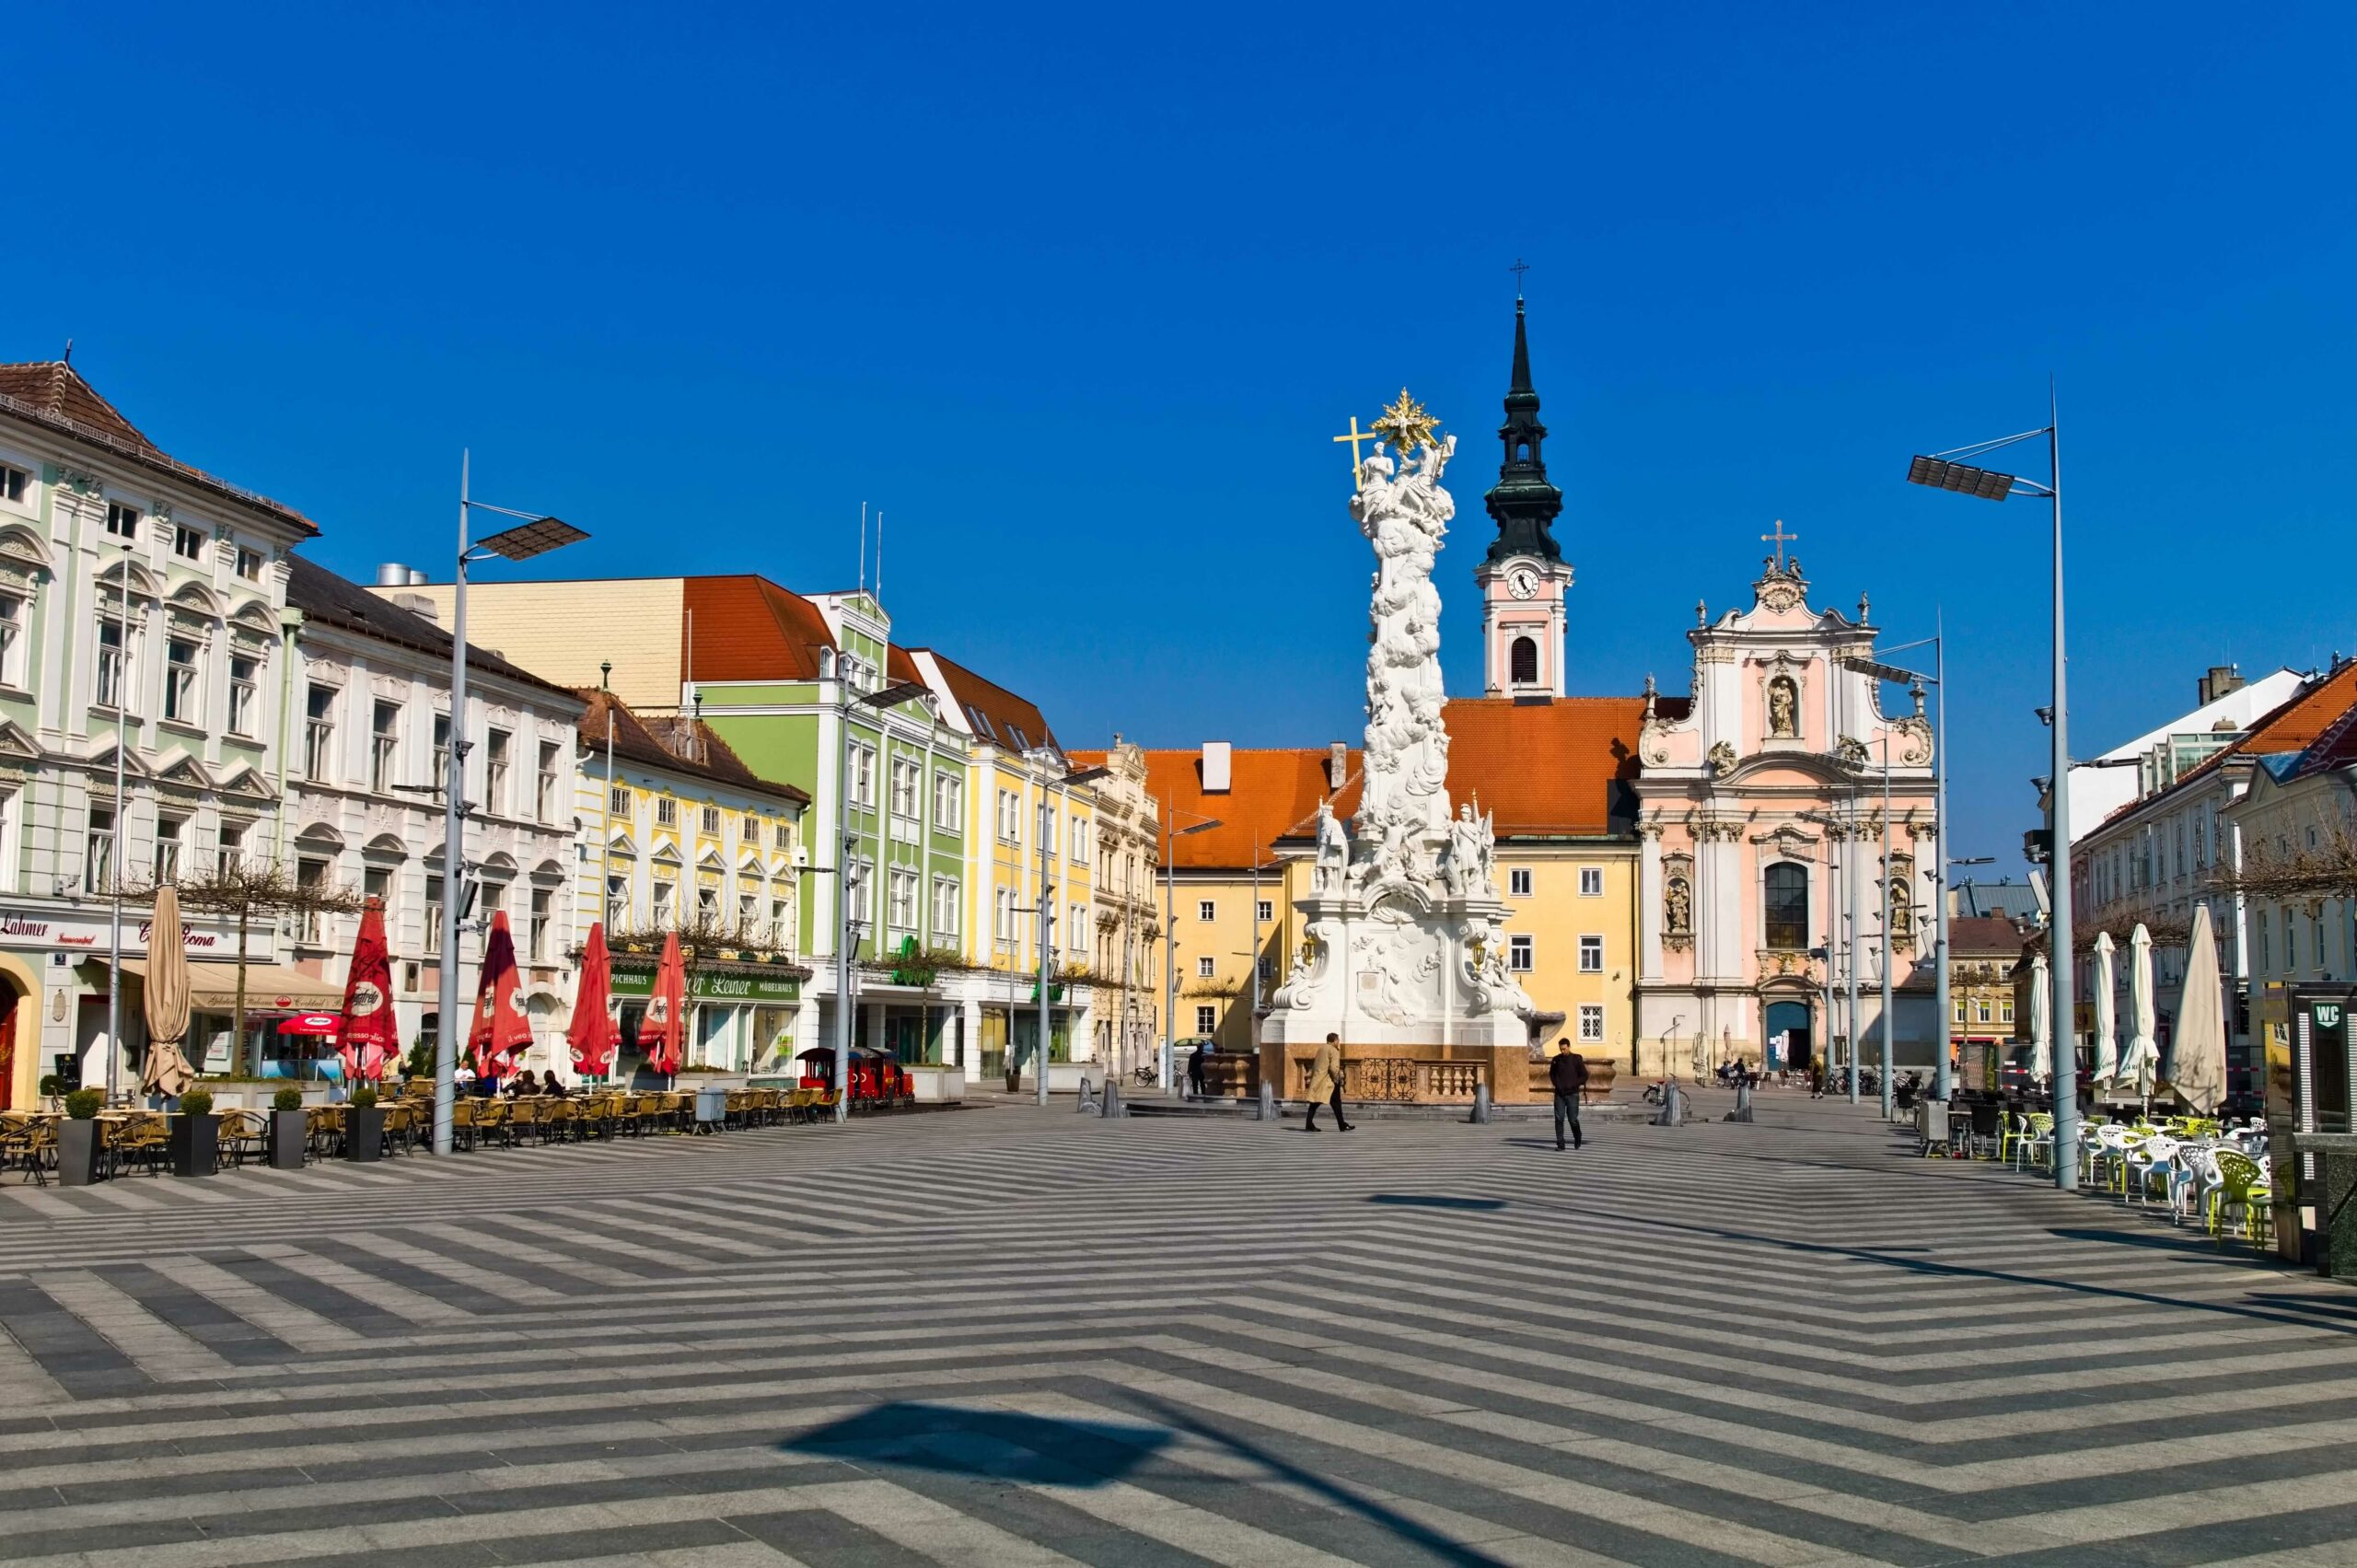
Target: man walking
{"type": "Point", "coordinates": [1568, 1074]}
{"type": "Point", "coordinates": [1325, 1083]}
{"type": "Point", "coordinates": [1195, 1060]}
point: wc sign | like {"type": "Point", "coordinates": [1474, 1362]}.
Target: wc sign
{"type": "Point", "coordinates": [2328, 1014]}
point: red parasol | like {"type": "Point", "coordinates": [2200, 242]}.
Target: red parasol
{"type": "Point", "coordinates": [369, 1032]}
{"type": "Point", "coordinates": [595, 1031]}
{"type": "Point", "coordinates": [662, 1034]}
{"type": "Point", "coordinates": [500, 1029]}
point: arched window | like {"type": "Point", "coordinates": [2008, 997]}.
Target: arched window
{"type": "Point", "coordinates": [1786, 916]}
{"type": "Point", "coordinates": [1523, 661]}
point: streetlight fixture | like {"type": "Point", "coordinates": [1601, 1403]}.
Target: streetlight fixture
{"type": "Point", "coordinates": [1170, 835]}
{"type": "Point", "coordinates": [1950, 471]}
{"type": "Point", "coordinates": [537, 535]}
{"type": "Point", "coordinates": [1847, 941]}
{"type": "Point", "coordinates": [846, 866]}
{"type": "Point", "coordinates": [1045, 911]}
{"type": "Point", "coordinates": [1915, 681]}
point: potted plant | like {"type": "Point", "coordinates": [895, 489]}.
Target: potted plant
{"type": "Point", "coordinates": [78, 1139]}
{"type": "Point", "coordinates": [52, 1087]}
{"type": "Point", "coordinates": [289, 1132]}
{"type": "Point", "coordinates": [196, 1135]}
{"type": "Point", "coordinates": [364, 1125]}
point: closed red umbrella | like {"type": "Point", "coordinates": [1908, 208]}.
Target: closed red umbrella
{"type": "Point", "coordinates": [500, 1029]}
{"type": "Point", "coordinates": [662, 1034]}
{"type": "Point", "coordinates": [594, 1033]}
{"type": "Point", "coordinates": [369, 1035]}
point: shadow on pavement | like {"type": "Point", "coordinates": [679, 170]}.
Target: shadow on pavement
{"type": "Point", "coordinates": [1427, 1200]}
{"type": "Point", "coordinates": [998, 1445]}
{"type": "Point", "coordinates": [1398, 1525]}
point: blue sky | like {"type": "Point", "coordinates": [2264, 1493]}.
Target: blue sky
{"type": "Point", "coordinates": [1075, 298]}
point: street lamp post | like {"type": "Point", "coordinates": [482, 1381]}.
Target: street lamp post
{"type": "Point", "coordinates": [1171, 834]}
{"type": "Point", "coordinates": [847, 865]}
{"type": "Point", "coordinates": [122, 836]}
{"type": "Point", "coordinates": [1050, 814]}
{"type": "Point", "coordinates": [537, 536]}
{"type": "Point", "coordinates": [1949, 470]}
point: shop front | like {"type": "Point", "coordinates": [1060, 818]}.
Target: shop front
{"type": "Point", "coordinates": [1012, 1025]}
{"type": "Point", "coordinates": [740, 1016]}
{"type": "Point", "coordinates": [54, 969]}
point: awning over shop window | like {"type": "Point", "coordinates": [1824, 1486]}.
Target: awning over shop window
{"type": "Point", "coordinates": [270, 988]}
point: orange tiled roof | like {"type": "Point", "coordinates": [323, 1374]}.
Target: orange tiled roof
{"type": "Point", "coordinates": [2291, 726]}
{"type": "Point", "coordinates": [1016, 722]}
{"type": "Point", "coordinates": [53, 392]}
{"type": "Point", "coordinates": [1273, 794]}
{"type": "Point", "coordinates": [1554, 769]}
{"type": "Point", "coordinates": [747, 628]}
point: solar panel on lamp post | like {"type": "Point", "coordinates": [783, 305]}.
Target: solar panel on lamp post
{"type": "Point", "coordinates": [537, 535]}
{"type": "Point", "coordinates": [1947, 470]}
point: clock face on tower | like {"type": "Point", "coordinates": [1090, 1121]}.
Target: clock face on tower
{"type": "Point", "coordinates": [1522, 582]}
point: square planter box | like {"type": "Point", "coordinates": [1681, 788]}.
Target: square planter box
{"type": "Point", "coordinates": [364, 1133]}
{"type": "Point", "coordinates": [288, 1135]}
{"type": "Point", "coordinates": [196, 1144]}
{"type": "Point", "coordinates": [78, 1153]}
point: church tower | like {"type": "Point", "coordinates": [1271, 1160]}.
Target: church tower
{"type": "Point", "coordinates": [1523, 576]}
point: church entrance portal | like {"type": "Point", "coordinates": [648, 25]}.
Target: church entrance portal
{"type": "Point", "coordinates": [1787, 1034]}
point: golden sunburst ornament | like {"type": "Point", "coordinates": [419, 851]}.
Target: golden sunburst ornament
{"type": "Point", "coordinates": [1406, 422]}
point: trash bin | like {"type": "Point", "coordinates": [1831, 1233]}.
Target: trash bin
{"type": "Point", "coordinates": [712, 1108]}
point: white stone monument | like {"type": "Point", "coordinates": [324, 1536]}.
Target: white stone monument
{"type": "Point", "coordinates": [1405, 957]}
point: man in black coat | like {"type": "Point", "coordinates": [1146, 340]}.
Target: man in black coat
{"type": "Point", "coordinates": [1568, 1074]}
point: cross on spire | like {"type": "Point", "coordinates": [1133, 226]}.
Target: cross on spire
{"type": "Point", "coordinates": [1780, 538]}
{"type": "Point", "coordinates": [1519, 267]}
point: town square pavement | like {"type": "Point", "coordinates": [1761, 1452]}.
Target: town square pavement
{"type": "Point", "coordinates": [1007, 1336]}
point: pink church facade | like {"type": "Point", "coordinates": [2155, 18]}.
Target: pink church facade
{"type": "Point", "coordinates": [1763, 832]}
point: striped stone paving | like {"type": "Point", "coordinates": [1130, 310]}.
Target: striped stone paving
{"type": "Point", "coordinates": [1006, 1336]}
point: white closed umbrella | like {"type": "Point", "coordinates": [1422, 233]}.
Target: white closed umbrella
{"type": "Point", "coordinates": [2198, 1048]}
{"type": "Point", "coordinates": [2041, 1024]}
{"type": "Point", "coordinates": [2107, 1017]}
{"type": "Point", "coordinates": [2142, 1060]}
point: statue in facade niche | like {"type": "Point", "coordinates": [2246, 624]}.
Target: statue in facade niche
{"type": "Point", "coordinates": [1783, 708]}
{"type": "Point", "coordinates": [1679, 904]}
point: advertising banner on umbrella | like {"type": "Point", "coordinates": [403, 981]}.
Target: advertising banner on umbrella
{"type": "Point", "coordinates": [501, 1030]}
{"type": "Point", "coordinates": [662, 1033]}
{"type": "Point", "coordinates": [367, 1029]}
{"type": "Point", "coordinates": [595, 1031]}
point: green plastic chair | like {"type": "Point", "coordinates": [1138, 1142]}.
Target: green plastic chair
{"type": "Point", "coordinates": [2242, 1184]}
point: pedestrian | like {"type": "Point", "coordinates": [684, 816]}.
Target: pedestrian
{"type": "Point", "coordinates": [1325, 1083]}
{"type": "Point", "coordinates": [1816, 1080]}
{"type": "Point", "coordinates": [1568, 1074]}
{"type": "Point", "coordinates": [1195, 1059]}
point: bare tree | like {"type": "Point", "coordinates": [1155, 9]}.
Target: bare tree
{"type": "Point", "coordinates": [249, 891]}
{"type": "Point", "coordinates": [2326, 870]}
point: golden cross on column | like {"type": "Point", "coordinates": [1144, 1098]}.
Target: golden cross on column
{"type": "Point", "coordinates": [1780, 538]}
{"type": "Point", "coordinates": [1355, 437]}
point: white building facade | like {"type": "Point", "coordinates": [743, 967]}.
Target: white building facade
{"type": "Point", "coordinates": [370, 735]}
{"type": "Point", "coordinates": [129, 582]}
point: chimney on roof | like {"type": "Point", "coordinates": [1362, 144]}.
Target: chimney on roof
{"type": "Point", "coordinates": [1215, 767]}
{"type": "Point", "coordinates": [2222, 680]}
{"type": "Point", "coordinates": [1338, 766]}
